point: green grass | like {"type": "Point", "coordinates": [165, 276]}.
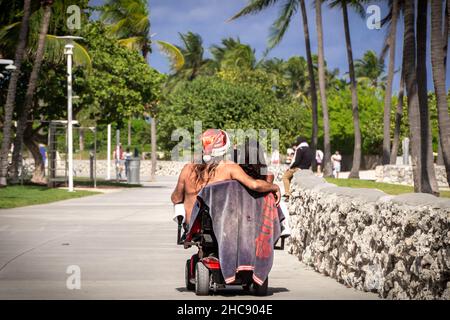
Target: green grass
{"type": "Point", "coordinates": [86, 182]}
{"type": "Point", "coordinates": [393, 189]}
{"type": "Point", "coordinates": [19, 196]}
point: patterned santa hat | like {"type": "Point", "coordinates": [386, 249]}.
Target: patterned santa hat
{"type": "Point", "coordinates": [215, 143]}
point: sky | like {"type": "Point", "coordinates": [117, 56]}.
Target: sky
{"type": "Point", "coordinates": [209, 19]}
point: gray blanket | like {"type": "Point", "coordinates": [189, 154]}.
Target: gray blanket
{"type": "Point", "coordinates": [246, 225]}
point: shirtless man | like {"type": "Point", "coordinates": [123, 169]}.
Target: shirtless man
{"type": "Point", "coordinates": [194, 177]}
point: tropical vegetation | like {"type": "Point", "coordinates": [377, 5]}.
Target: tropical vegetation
{"type": "Point", "coordinates": [228, 84]}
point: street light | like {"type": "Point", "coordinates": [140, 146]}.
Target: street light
{"type": "Point", "coordinates": [7, 61]}
{"type": "Point", "coordinates": [68, 50]}
{"type": "Point", "coordinates": [9, 65]}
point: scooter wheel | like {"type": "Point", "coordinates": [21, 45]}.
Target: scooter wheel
{"type": "Point", "coordinates": [189, 285]}
{"type": "Point", "coordinates": [261, 290]}
{"type": "Point", "coordinates": [202, 279]}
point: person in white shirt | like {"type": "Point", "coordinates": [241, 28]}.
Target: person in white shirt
{"type": "Point", "coordinates": [319, 160]}
{"type": "Point", "coordinates": [127, 156]}
{"type": "Point", "coordinates": [336, 158]}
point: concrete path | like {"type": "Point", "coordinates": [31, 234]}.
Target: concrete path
{"type": "Point", "coordinates": [124, 245]}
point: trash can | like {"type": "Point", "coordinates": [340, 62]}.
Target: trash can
{"type": "Point", "coordinates": [134, 167]}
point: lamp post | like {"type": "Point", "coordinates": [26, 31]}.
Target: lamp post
{"type": "Point", "coordinates": [68, 51]}
{"type": "Point", "coordinates": [108, 156]}
{"type": "Point", "coordinates": [9, 65]}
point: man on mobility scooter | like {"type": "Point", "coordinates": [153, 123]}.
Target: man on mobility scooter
{"type": "Point", "coordinates": [234, 229]}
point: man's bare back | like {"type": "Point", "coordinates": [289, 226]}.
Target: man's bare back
{"type": "Point", "coordinates": [186, 190]}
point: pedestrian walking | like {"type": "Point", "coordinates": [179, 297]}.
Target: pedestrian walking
{"type": "Point", "coordinates": [319, 160]}
{"type": "Point", "coordinates": [127, 156]}
{"type": "Point", "coordinates": [118, 157]}
{"type": "Point", "coordinates": [43, 152]}
{"type": "Point", "coordinates": [336, 159]}
{"type": "Point", "coordinates": [302, 161]}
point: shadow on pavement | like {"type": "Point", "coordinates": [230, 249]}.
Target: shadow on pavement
{"type": "Point", "coordinates": [236, 291]}
{"type": "Point", "coordinates": [156, 187]}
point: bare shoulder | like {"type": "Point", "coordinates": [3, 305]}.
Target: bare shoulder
{"type": "Point", "coordinates": [228, 162]}
{"type": "Point", "coordinates": [187, 170]}
{"type": "Point", "coordinates": [229, 165]}
{"type": "Point", "coordinates": [188, 167]}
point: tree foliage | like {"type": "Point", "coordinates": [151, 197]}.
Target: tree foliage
{"type": "Point", "coordinates": [222, 102]}
{"type": "Point", "coordinates": [121, 84]}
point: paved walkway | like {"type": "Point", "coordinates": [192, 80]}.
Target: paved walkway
{"type": "Point", "coordinates": [124, 244]}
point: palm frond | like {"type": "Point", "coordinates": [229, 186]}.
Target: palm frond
{"type": "Point", "coordinates": [254, 7]}
{"type": "Point", "coordinates": [117, 29]}
{"type": "Point", "coordinates": [128, 21]}
{"type": "Point", "coordinates": [132, 43]}
{"type": "Point", "coordinates": [356, 5]}
{"type": "Point", "coordinates": [4, 31]}
{"type": "Point", "coordinates": [54, 51]}
{"type": "Point", "coordinates": [8, 38]}
{"type": "Point", "coordinates": [279, 27]}
{"type": "Point", "coordinates": [174, 55]}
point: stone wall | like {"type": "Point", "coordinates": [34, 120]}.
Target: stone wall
{"type": "Point", "coordinates": [397, 246]}
{"type": "Point", "coordinates": [163, 168]}
{"type": "Point", "coordinates": [402, 174]}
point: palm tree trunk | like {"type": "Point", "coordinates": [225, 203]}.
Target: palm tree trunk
{"type": "Point", "coordinates": [312, 86]}
{"type": "Point", "coordinates": [440, 156]}
{"type": "Point", "coordinates": [388, 93]}
{"type": "Point", "coordinates": [323, 94]}
{"type": "Point", "coordinates": [39, 165]}
{"type": "Point", "coordinates": [32, 83]}
{"type": "Point", "coordinates": [446, 31]}
{"type": "Point", "coordinates": [153, 133]}
{"type": "Point", "coordinates": [438, 66]}
{"type": "Point", "coordinates": [428, 176]}
{"type": "Point", "coordinates": [354, 173]}
{"type": "Point", "coordinates": [409, 54]}
{"type": "Point", "coordinates": [398, 120]}
{"type": "Point", "coordinates": [11, 96]}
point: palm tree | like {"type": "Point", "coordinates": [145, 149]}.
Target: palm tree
{"type": "Point", "coordinates": [296, 72]}
{"type": "Point", "coordinates": [409, 56]}
{"type": "Point", "coordinates": [312, 86]}
{"type": "Point", "coordinates": [277, 33]}
{"type": "Point", "coordinates": [273, 66]}
{"type": "Point", "coordinates": [440, 156]}
{"type": "Point", "coordinates": [128, 21]}
{"type": "Point", "coordinates": [323, 94]}
{"type": "Point", "coordinates": [11, 96]}
{"type": "Point", "coordinates": [193, 53]}
{"type": "Point", "coordinates": [32, 83]}
{"type": "Point", "coordinates": [390, 77]}
{"type": "Point", "coordinates": [439, 77]}
{"type": "Point", "coordinates": [233, 54]}
{"type": "Point", "coordinates": [354, 173]}
{"type": "Point", "coordinates": [370, 68]}
{"type": "Point", "coordinates": [428, 176]}
{"type": "Point", "coordinates": [53, 52]}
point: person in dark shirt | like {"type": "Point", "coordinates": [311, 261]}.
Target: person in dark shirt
{"type": "Point", "coordinates": [302, 161]}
